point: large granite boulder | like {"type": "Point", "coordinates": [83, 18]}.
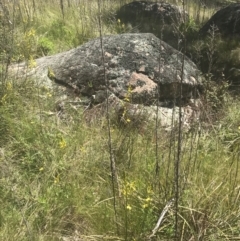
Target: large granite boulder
{"type": "Point", "coordinates": [139, 69]}
{"type": "Point", "coordinates": [221, 35]}
{"type": "Point", "coordinates": [226, 21]}
{"type": "Point", "coordinates": [159, 18]}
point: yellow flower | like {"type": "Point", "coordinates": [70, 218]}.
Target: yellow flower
{"type": "Point", "coordinates": [9, 86]}
{"type": "Point", "coordinates": [51, 74]}
{"type": "Point", "coordinates": [41, 169]}
{"type": "Point", "coordinates": [49, 94]}
{"type": "Point", "coordinates": [62, 144]}
{"type": "Point", "coordinates": [129, 188]}
{"type": "Point", "coordinates": [148, 199]}
{"type": "Point", "coordinates": [132, 186]}
{"type": "Point", "coordinates": [83, 149]}
{"type": "Point", "coordinates": [56, 179]}
{"type": "Point", "coordinates": [146, 202]}
{"type": "Point", "coordinates": [129, 89]}
{"type": "Point", "coordinates": [129, 207]}
{"type": "Point", "coordinates": [4, 99]}
{"type": "Point", "coordinates": [32, 63]}
{"type": "Point", "coordinates": [149, 190]}
{"type": "Point", "coordinates": [30, 33]}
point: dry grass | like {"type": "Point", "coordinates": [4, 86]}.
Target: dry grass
{"type": "Point", "coordinates": [55, 177]}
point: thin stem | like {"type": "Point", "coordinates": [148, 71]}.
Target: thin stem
{"type": "Point", "coordinates": [111, 155]}
{"type": "Point", "coordinates": [179, 145]}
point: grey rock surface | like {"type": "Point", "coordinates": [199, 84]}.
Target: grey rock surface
{"type": "Point", "coordinates": [226, 21]}
{"type": "Point", "coordinates": [160, 18]}
{"type": "Point", "coordinates": [145, 116]}
{"type": "Point", "coordinates": [140, 62]}
{"type": "Point", "coordinates": [138, 67]}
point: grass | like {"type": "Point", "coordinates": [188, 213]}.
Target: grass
{"type": "Point", "coordinates": [55, 175]}
{"type": "Point", "coordinates": [41, 28]}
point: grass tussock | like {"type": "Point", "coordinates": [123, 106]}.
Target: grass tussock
{"type": "Point", "coordinates": [56, 181]}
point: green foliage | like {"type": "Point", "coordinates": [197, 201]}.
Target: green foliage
{"type": "Point", "coordinates": [232, 139]}
{"type": "Point", "coordinates": [55, 176]}
{"type": "Point", "coordinates": [216, 93]}
{"type": "Point", "coordinates": [50, 74]}
{"type": "Point", "coordinates": [59, 30]}
{"type": "Point", "coordinates": [120, 27]}
{"type": "Point", "coordinates": [230, 127]}
{"type": "Point", "coordinates": [45, 46]}
{"type": "Point", "coordinates": [190, 29]}
{"type": "Point", "coordinates": [62, 183]}
{"type": "Point", "coordinates": [24, 48]}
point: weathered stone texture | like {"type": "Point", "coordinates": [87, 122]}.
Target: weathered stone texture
{"type": "Point", "coordinates": [139, 67]}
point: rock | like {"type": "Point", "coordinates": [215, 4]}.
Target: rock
{"type": "Point", "coordinates": [161, 19]}
{"type": "Point", "coordinates": [226, 21]}
{"type": "Point", "coordinates": [143, 117]}
{"type": "Point", "coordinates": [221, 35]}
{"type": "Point", "coordinates": [131, 69]}
{"type": "Point", "coordinates": [131, 64]}
{"type": "Point", "coordinates": [233, 75]}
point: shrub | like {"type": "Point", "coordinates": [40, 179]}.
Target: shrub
{"type": "Point", "coordinates": [45, 46]}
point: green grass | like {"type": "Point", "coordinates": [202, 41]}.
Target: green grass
{"type": "Point", "coordinates": [41, 28]}
{"type": "Point", "coordinates": [56, 178]}
{"type": "Point", "coordinates": [55, 175]}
